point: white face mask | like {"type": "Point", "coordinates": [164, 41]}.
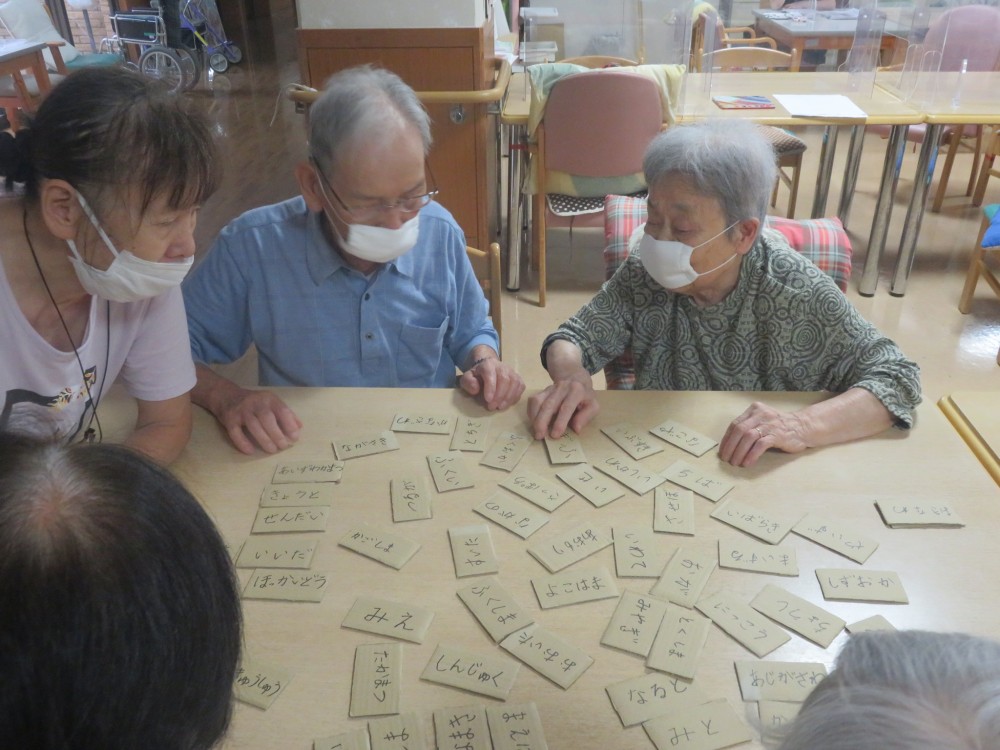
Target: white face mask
{"type": "Point", "coordinates": [380, 244]}
{"type": "Point", "coordinates": [669, 261]}
{"type": "Point", "coordinates": [374, 244]}
{"type": "Point", "coordinates": [128, 278]}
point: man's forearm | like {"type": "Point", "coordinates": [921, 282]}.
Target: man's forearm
{"type": "Point", "coordinates": [212, 391]}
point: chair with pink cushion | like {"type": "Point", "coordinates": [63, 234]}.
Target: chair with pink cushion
{"type": "Point", "coordinates": [591, 140]}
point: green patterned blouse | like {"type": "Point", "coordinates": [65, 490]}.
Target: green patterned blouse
{"type": "Point", "coordinates": [785, 327]}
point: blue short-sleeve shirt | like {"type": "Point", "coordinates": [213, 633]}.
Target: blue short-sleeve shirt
{"type": "Point", "coordinates": [272, 280]}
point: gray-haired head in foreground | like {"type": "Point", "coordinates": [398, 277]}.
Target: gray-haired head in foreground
{"type": "Point", "coordinates": [362, 102]}
{"type": "Point", "coordinates": [907, 690]}
{"type": "Point", "coordinates": [728, 160]}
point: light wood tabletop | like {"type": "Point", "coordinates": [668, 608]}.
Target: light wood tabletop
{"type": "Point", "coordinates": [948, 574]}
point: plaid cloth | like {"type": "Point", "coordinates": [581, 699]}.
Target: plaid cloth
{"type": "Point", "coordinates": [823, 241]}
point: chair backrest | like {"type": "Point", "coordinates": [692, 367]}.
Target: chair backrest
{"type": "Point", "coordinates": [598, 123]}
{"type": "Point", "coordinates": [29, 20]}
{"type": "Point", "coordinates": [600, 61]}
{"type": "Point", "coordinates": [970, 33]}
{"type": "Point", "coordinates": [486, 266]}
{"type": "Point", "coordinates": [748, 58]}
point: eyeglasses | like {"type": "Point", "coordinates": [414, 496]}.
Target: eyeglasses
{"type": "Point", "coordinates": [374, 211]}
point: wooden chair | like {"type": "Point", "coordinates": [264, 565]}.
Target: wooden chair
{"type": "Point", "coordinates": [30, 20]}
{"type": "Point", "coordinates": [977, 266]}
{"type": "Point", "coordinates": [486, 265]}
{"type": "Point", "coordinates": [23, 82]}
{"type": "Point", "coordinates": [788, 148]}
{"type": "Point", "coordinates": [593, 134]}
{"type": "Point", "coordinates": [724, 38]}
{"type": "Point", "coordinates": [987, 169]}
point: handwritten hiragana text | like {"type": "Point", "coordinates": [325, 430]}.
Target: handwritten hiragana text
{"type": "Point", "coordinates": [634, 623]}
{"type": "Point", "coordinates": [685, 576]}
{"type": "Point", "coordinates": [308, 471]}
{"type": "Point", "coordinates": [472, 550]}
{"type": "Point", "coordinates": [375, 682]}
{"type": "Point", "coordinates": [462, 728]}
{"type": "Point", "coordinates": [679, 642]}
{"type": "Point", "coordinates": [388, 549]}
{"type": "Point", "coordinates": [684, 438]}
{"type": "Point", "coordinates": [699, 482]}
{"type": "Point", "coordinates": [513, 514]}
{"type": "Point", "coordinates": [647, 696]}
{"type": "Point", "coordinates": [633, 476]}
{"type": "Point", "coordinates": [538, 490]}
{"type": "Point", "coordinates": [574, 587]}
{"type": "Point", "coordinates": [476, 672]}
{"type": "Point", "coordinates": [799, 615]}
{"type": "Point", "coordinates": [495, 609]}
{"type": "Point", "coordinates": [470, 435]}
{"type": "Point", "coordinates": [516, 726]}
{"type": "Point", "coordinates": [406, 622]}
{"type": "Point", "coordinates": [591, 484]}
{"type": "Point", "coordinates": [632, 440]}
{"type": "Point", "coordinates": [366, 445]}
{"type": "Point", "coordinates": [506, 451]}
{"type": "Point", "coordinates": [569, 547]}
{"type": "Point", "coordinates": [548, 654]}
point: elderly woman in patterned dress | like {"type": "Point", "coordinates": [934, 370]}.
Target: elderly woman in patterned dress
{"type": "Point", "coordinates": [710, 300]}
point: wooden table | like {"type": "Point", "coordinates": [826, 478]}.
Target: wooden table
{"type": "Point", "coordinates": [976, 417]}
{"type": "Point", "coordinates": [18, 55]}
{"type": "Point", "coordinates": [951, 589]}
{"type": "Point", "coordinates": [822, 32]}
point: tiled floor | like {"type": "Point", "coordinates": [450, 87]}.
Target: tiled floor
{"type": "Point", "coordinates": [955, 351]}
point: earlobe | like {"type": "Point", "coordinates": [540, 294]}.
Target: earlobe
{"type": "Point", "coordinates": [305, 175]}
{"type": "Point", "coordinates": [749, 229]}
{"type": "Point", "coordinates": [59, 208]}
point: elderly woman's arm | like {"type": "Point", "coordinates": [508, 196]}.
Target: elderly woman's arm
{"type": "Point", "coordinates": [570, 402]}
{"type": "Point", "coordinates": [848, 416]}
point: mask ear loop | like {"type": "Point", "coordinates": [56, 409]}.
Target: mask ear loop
{"type": "Point", "coordinates": [96, 224]}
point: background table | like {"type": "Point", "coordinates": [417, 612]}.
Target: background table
{"type": "Point", "coordinates": [822, 32]}
{"type": "Point", "coordinates": [951, 589]}
{"type": "Point", "coordinates": [976, 417]}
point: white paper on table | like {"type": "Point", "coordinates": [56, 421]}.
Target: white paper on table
{"type": "Point", "coordinates": [828, 106]}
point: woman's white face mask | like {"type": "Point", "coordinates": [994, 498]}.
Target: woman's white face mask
{"type": "Point", "coordinates": [669, 261]}
{"type": "Point", "coordinates": [128, 278]}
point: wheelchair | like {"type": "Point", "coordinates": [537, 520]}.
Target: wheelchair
{"type": "Point", "coordinates": [143, 39]}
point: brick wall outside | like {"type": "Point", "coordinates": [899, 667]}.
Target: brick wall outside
{"type": "Point", "coordinates": [99, 21]}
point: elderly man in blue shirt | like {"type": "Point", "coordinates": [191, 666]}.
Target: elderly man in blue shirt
{"type": "Point", "coordinates": [363, 280]}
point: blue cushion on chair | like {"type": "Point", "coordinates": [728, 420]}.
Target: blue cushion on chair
{"type": "Point", "coordinates": [992, 236]}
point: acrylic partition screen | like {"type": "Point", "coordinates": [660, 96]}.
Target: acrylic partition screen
{"type": "Point", "coordinates": [646, 31]}
{"type": "Point", "coordinates": [942, 43]}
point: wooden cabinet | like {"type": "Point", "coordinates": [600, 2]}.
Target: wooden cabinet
{"type": "Point", "coordinates": [463, 156]}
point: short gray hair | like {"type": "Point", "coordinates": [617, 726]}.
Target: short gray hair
{"type": "Point", "coordinates": [907, 690]}
{"type": "Point", "coordinates": [728, 160]}
{"type": "Point", "coordinates": [359, 102]}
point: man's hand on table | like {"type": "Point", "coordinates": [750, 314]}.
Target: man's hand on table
{"type": "Point", "coordinates": [499, 385]}
{"type": "Point", "coordinates": [759, 428]}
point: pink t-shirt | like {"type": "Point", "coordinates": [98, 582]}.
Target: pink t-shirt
{"type": "Point", "coordinates": [42, 389]}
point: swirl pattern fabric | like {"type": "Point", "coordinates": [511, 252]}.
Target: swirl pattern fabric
{"type": "Point", "coordinates": [785, 327]}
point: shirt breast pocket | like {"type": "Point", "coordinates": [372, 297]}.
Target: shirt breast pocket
{"type": "Point", "coordinates": [420, 350]}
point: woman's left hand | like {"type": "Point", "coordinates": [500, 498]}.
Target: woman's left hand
{"type": "Point", "coordinates": [758, 429]}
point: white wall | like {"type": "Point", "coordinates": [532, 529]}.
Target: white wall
{"type": "Point", "coordinates": [391, 14]}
